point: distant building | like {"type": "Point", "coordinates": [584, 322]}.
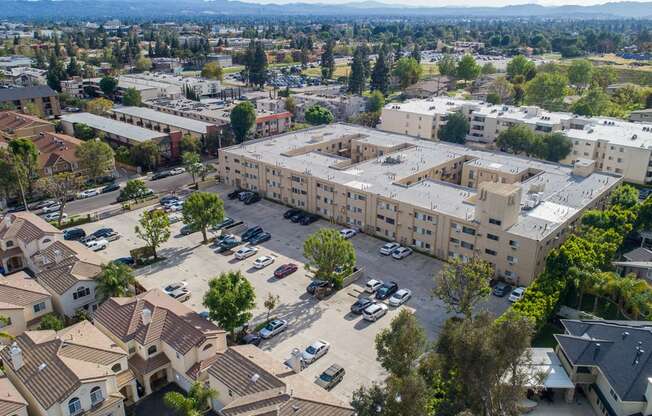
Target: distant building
{"type": "Point", "coordinates": [14, 61]}
{"type": "Point", "coordinates": [43, 97]}
{"type": "Point", "coordinates": [24, 76]}
{"type": "Point", "coordinates": [342, 106]}
{"type": "Point", "coordinates": [14, 125]}
{"type": "Point", "coordinates": [641, 116]}
{"type": "Point", "coordinates": [224, 60]}
{"type": "Point", "coordinates": [438, 85]}
{"type": "Point", "coordinates": [169, 65]}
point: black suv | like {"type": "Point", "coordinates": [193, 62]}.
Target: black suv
{"type": "Point", "coordinates": [235, 194]}
{"type": "Point", "coordinates": [308, 219]}
{"type": "Point", "coordinates": [251, 232]}
{"type": "Point", "coordinates": [361, 304]}
{"type": "Point", "coordinates": [74, 234]}
{"type": "Point", "coordinates": [386, 290]}
{"type": "Point", "coordinates": [291, 212]}
{"type": "Point", "coordinates": [254, 197]}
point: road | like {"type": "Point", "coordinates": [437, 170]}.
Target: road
{"type": "Point", "coordinates": [98, 202]}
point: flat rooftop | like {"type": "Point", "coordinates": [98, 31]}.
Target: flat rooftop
{"type": "Point", "coordinates": [114, 127]}
{"type": "Point", "coordinates": [562, 193]}
{"type": "Point", "coordinates": [165, 118]}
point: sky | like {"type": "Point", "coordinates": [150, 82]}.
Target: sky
{"type": "Point", "coordinates": [458, 3]}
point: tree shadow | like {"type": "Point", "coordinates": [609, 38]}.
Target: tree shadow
{"type": "Point", "coordinates": [173, 257]}
{"type": "Point", "coordinates": [300, 315]}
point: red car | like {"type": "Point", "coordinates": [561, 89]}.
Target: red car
{"type": "Point", "coordinates": [285, 270]}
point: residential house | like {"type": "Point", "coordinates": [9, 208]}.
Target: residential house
{"type": "Point", "coordinates": [71, 372]}
{"type": "Point", "coordinates": [14, 125]}
{"type": "Point", "coordinates": [23, 301]}
{"type": "Point", "coordinates": [638, 262]}
{"type": "Point", "coordinates": [438, 85]}
{"type": "Point", "coordinates": [12, 403]}
{"type": "Point", "coordinates": [610, 362]}
{"type": "Point", "coordinates": [57, 153]}
{"type": "Point", "coordinates": [23, 234]}
{"type": "Point", "coordinates": [167, 341]}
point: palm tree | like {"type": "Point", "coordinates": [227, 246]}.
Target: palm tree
{"type": "Point", "coordinates": [115, 281]}
{"type": "Point", "coordinates": [628, 291]}
{"type": "Point", "coordinates": [195, 404]}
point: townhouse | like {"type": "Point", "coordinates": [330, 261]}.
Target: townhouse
{"type": "Point", "coordinates": [44, 98]}
{"type": "Point", "coordinates": [617, 146]}
{"type": "Point", "coordinates": [446, 200]}
{"type": "Point", "coordinates": [22, 235]}
{"type": "Point", "coordinates": [75, 371]}
{"type": "Point", "coordinates": [57, 153]}
{"type": "Point", "coordinates": [14, 125]}
{"type": "Point", "coordinates": [23, 302]}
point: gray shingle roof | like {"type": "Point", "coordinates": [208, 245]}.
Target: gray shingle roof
{"type": "Point", "coordinates": [38, 91]}
{"type": "Point", "coordinates": [638, 254]}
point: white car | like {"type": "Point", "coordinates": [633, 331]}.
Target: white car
{"type": "Point", "coordinates": [389, 248]}
{"type": "Point", "coordinates": [315, 351]}
{"type": "Point", "coordinates": [273, 328]}
{"type": "Point", "coordinates": [374, 312]}
{"type": "Point", "coordinates": [174, 207]}
{"type": "Point", "coordinates": [177, 171]}
{"type": "Point", "coordinates": [54, 216]}
{"type": "Point", "coordinates": [373, 285]}
{"type": "Point", "coordinates": [88, 193]}
{"type": "Point", "coordinates": [348, 233]}
{"type": "Point", "coordinates": [245, 252]}
{"type": "Point", "coordinates": [181, 295]}
{"type": "Point", "coordinates": [175, 217]}
{"type": "Point", "coordinates": [263, 261]}
{"type": "Point", "coordinates": [400, 297]}
{"type": "Point", "coordinates": [97, 245]}
{"type": "Point", "coordinates": [52, 208]}
{"type": "Point", "coordinates": [517, 294]}
{"type": "Point", "coordinates": [401, 252]}
{"type": "Point", "coordinates": [175, 286]}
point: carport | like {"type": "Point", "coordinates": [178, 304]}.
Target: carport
{"type": "Point", "coordinates": [548, 378]}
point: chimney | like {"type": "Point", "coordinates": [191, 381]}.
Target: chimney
{"type": "Point", "coordinates": [58, 256]}
{"type": "Point", "coordinates": [146, 315]}
{"type": "Point", "coordinates": [625, 334]}
{"type": "Point", "coordinates": [596, 351]}
{"type": "Point", "coordinates": [16, 356]}
{"type": "Point", "coordinates": [295, 360]}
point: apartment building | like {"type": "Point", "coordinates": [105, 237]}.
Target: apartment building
{"type": "Point", "coordinates": [342, 106]}
{"type": "Point", "coordinates": [14, 125]}
{"type": "Point", "coordinates": [90, 87]}
{"type": "Point", "coordinates": [71, 372]}
{"type": "Point", "coordinates": [609, 361]}
{"type": "Point", "coordinates": [23, 302]}
{"type": "Point", "coordinates": [446, 200]}
{"type": "Point", "coordinates": [202, 87]}
{"type": "Point", "coordinates": [42, 97]}
{"type": "Point", "coordinates": [618, 147]}
{"type": "Point", "coordinates": [641, 116]}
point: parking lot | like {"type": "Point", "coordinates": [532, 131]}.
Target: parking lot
{"type": "Point", "coordinates": [351, 338]}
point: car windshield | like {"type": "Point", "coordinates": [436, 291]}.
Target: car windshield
{"type": "Point", "coordinates": [173, 286]}
{"type": "Point", "coordinates": [311, 350]}
{"type": "Point", "coordinates": [326, 377]}
{"type": "Point", "coordinates": [382, 290]}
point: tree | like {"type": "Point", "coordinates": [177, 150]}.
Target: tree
{"type": "Point", "coordinates": [375, 102]}
{"type": "Point", "coordinates": [9, 180]}
{"type": "Point", "coordinates": [243, 118]}
{"type": "Point", "coordinates": [61, 187]}
{"type": "Point", "coordinates": [25, 157]}
{"type": "Point", "coordinates": [115, 280]}
{"type": "Point", "coordinates": [408, 71]}
{"type": "Point", "coordinates": [143, 64]}
{"type": "Point", "coordinates": [146, 154]}
{"type": "Point", "coordinates": [51, 322]}
{"type": "Point", "coordinates": [192, 163]}
{"type": "Point", "coordinates": [580, 73]}
{"type": "Point", "coordinates": [4, 321]}
{"type": "Point", "coordinates": [358, 77]}
{"type": "Point", "coordinates": [73, 69]}
{"type": "Point", "coordinates": [33, 110]}
{"type": "Point", "coordinates": [462, 285]}
{"type": "Point", "coordinates": [213, 70]}
{"type": "Point", "coordinates": [258, 66]}
{"type": "Point", "coordinates": [369, 401]}
{"type": "Point", "coordinates": [558, 146]}
{"type": "Point", "coordinates": [153, 228]}
{"type": "Point", "coordinates": [96, 158]}
{"type": "Point", "coordinates": [271, 301]}
{"type": "Point", "coordinates": [133, 190]}
{"type": "Point", "coordinates": [520, 65]}
{"type": "Point", "coordinates": [203, 209]}
{"type": "Point", "coordinates": [502, 88]}
{"type": "Point", "coordinates": [381, 73]}
{"type": "Point", "coordinates": [594, 103]}
{"type": "Point", "coordinates": [488, 69]}
{"type": "Point", "coordinates": [328, 60]}
{"type": "Point", "coordinates": [604, 75]}
{"type": "Point", "coordinates": [399, 346]}
{"type": "Point", "coordinates": [189, 143]}
{"type": "Point", "coordinates": [108, 85]}
{"type": "Point", "coordinates": [230, 299]}
{"type": "Point", "coordinates": [56, 73]}
{"type": "Point", "coordinates": [547, 90]}
{"type": "Point", "coordinates": [132, 98]}
{"type": "Point", "coordinates": [329, 256]}
{"type": "Point", "coordinates": [447, 65]}
{"type": "Point", "coordinates": [516, 139]}
{"type": "Point", "coordinates": [625, 196]}
{"type": "Point", "coordinates": [195, 404]}
{"type": "Point", "coordinates": [467, 68]}
{"type": "Point", "coordinates": [83, 131]}
{"type": "Point", "coordinates": [317, 115]}
{"type": "Point", "coordinates": [99, 106]}
{"type": "Point", "coordinates": [455, 129]}
{"type": "Point", "coordinates": [291, 106]}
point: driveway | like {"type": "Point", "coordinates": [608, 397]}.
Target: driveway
{"type": "Point", "coordinates": [153, 404]}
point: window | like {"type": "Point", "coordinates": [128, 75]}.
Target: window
{"type": "Point", "coordinates": [9, 243]}
{"type": "Point", "coordinates": [116, 368]}
{"type": "Point", "coordinates": [495, 221]}
{"type": "Point", "coordinates": [466, 245]}
{"type": "Point", "coordinates": [492, 237]}
{"type": "Point", "coordinates": [512, 259]}
{"type": "Point", "coordinates": [96, 395]}
{"type": "Point", "coordinates": [132, 349]}
{"type": "Point", "coordinates": [39, 307]}
{"type": "Point", "coordinates": [81, 292]}
{"type": "Point", "coordinates": [390, 221]}
{"type": "Point", "coordinates": [74, 406]}
{"type": "Point", "coordinates": [207, 347]}
{"type": "Point", "coordinates": [468, 230]}
{"type": "Point", "coordinates": [490, 252]}
{"type": "Point", "coordinates": [6, 322]}
{"type": "Point", "coordinates": [513, 243]}
{"type": "Point", "coordinates": [151, 350]}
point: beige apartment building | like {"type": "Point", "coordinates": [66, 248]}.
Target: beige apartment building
{"type": "Point", "coordinates": [619, 147]}
{"type": "Point", "coordinates": [445, 200]}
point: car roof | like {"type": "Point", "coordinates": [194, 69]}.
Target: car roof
{"type": "Point", "coordinates": [401, 292]}
{"type": "Point", "coordinates": [334, 368]}
{"type": "Point", "coordinates": [374, 307]}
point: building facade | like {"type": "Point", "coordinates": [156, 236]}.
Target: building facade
{"type": "Point", "coordinates": [23, 301]}
{"type": "Point", "coordinates": [43, 98]}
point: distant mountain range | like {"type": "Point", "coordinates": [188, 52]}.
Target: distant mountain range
{"type": "Point", "coordinates": [98, 9]}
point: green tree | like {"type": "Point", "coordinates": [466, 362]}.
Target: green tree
{"type": "Point", "coordinates": [61, 187]}
{"type": "Point", "coordinates": [73, 69]}
{"type": "Point", "coordinates": [467, 68]}
{"type": "Point", "coordinates": [96, 158]}
{"type": "Point", "coordinates": [230, 299]}
{"type": "Point", "coordinates": [51, 322]}
{"type": "Point", "coordinates": [520, 65]}
{"type": "Point", "coordinates": [462, 285]}
{"type": "Point", "coordinates": [455, 129]}
{"type": "Point", "coordinates": [203, 209]}
{"type": "Point", "coordinates": [400, 346]}
{"type": "Point", "coordinates": [213, 70]}
{"type": "Point", "coordinates": [25, 157]}
{"type": "Point", "coordinates": [83, 131]}
{"type": "Point", "coordinates": [143, 64]}
{"type": "Point", "coordinates": [108, 85]}
{"type": "Point", "coordinates": [4, 321]}
{"type": "Point", "coordinates": [594, 103]}
{"type": "Point", "coordinates": [271, 301]}
{"type": "Point", "coordinates": [258, 66]}
{"type": "Point", "coordinates": [243, 118]}
{"type": "Point", "coordinates": [56, 73]}
{"type": "Point", "coordinates": [547, 90]}
{"type": "Point", "coordinates": [115, 280]}
{"type": "Point", "coordinates": [132, 98]}
{"type": "Point", "coordinates": [99, 106]}
{"type": "Point", "coordinates": [154, 229]}
{"type": "Point", "coordinates": [604, 75]}
{"type": "Point", "coordinates": [369, 401]}
{"type": "Point", "coordinates": [328, 60]}
{"type": "Point", "coordinates": [375, 102]}
{"type": "Point", "coordinates": [381, 73]}
{"type": "Point", "coordinates": [133, 190]}
{"type": "Point", "coordinates": [580, 73]}
{"type": "Point", "coordinates": [408, 71]}
{"type": "Point", "coordinates": [447, 65]}
{"type": "Point", "coordinates": [329, 256]}
{"type": "Point", "coordinates": [625, 196]}
{"type": "Point", "coordinates": [358, 77]}
{"type": "Point", "coordinates": [189, 143]}
{"type": "Point", "coordinates": [196, 403]}
{"type": "Point", "coordinates": [488, 69]}
{"type": "Point", "coordinates": [503, 89]}
{"type": "Point", "coordinates": [558, 146]}
{"type": "Point", "coordinates": [146, 154]}
{"type": "Point", "coordinates": [291, 106]}
{"type": "Point", "coordinates": [516, 139]}
{"type": "Point", "coordinates": [317, 115]}
{"type": "Point", "coordinates": [192, 163]}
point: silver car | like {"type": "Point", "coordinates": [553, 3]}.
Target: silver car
{"type": "Point", "coordinates": [273, 328]}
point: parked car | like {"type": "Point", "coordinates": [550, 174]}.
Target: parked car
{"type": "Point", "coordinates": [177, 207]}
{"type": "Point", "coordinates": [315, 351]}
{"type": "Point", "coordinates": [253, 198]}
{"type": "Point", "coordinates": [235, 194]}
{"type": "Point", "coordinates": [348, 233]}
{"type": "Point", "coordinates": [175, 286]}
{"type": "Point", "coordinates": [386, 290]}
{"type": "Point", "coordinates": [107, 233]}
{"type": "Point", "coordinates": [245, 252]}
{"type": "Point", "coordinates": [160, 175]}
{"type": "Point", "coordinates": [501, 289]}
{"type": "Point", "coordinates": [374, 312]}
{"type": "Point", "coordinates": [188, 229]}
{"type": "Point", "coordinates": [251, 339]}
{"type": "Point", "coordinates": [41, 204]}
{"type": "Point", "coordinates": [244, 195]}
{"type": "Point", "coordinates": [373, 285]}
{"type": "Point", "coordinates": [250, 232]}
{"type": "Point", "coordinates": [517, 294]}
{"type": "Point", "coordinates": [97, 245]}
{"type": "Point", "coordinates": [273, 328]}
{"type": "Point", "coordinates": [175, 217]}
{"type": "Point", "coordinates": [389, 248]}
{"type": "Point", "coordinates": [181, 295]}
{"type": "Point", "coordinates": [401, 253]}
{"type": "Point", "coordinates": [128, 261]}
{"type": "Point", "coordinates": [110, 188]}
{"type": "Point", "coordinates": [54, 216]}
{"type": "Point", "coordinates": [75, 234]}
{"type": "Point", "coordinates": [308, 219]}
{"type": "Point", "coordinates": [263, 261]}
{"type": "Point", "coordinates": [296, 218]}
{"type": "Point", "coordinates": [226, 222]}
{"type": "Point", "coordinates": [227, 244]}
{"type": "Point", "coordinates": [400, 297]}
{"type": "Point", "coordinates": [168, 199]}
{"type": "Point", "coordinates": [177, 171]}
{"type": "Point", "coordinates": [361, 304]}
{"type": "Point", "coordinates": [260, 238]}
{"type": "Point", "coordinates": [291, 212]}
{"type": "Point", "coordinates": [285, 270]}
{"type": "Point", "coordinates": [331, 377]}
{"type": "Point", "coordinates": [88, 193]}
{"type": "Point", "coordinates": [52, 207]}
{"type": "Point", "coordinates": [312, 287]}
